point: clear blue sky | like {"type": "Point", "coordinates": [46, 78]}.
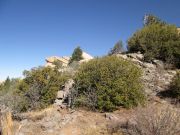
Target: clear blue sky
{"type": "Point", "coordinates": [31, 30]}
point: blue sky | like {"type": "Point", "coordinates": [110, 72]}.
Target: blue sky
{"type": "Point", "coordinates": [31, 30]}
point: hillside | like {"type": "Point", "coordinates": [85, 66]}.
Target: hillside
{"type": "Point", "coordinates": [55, 120]}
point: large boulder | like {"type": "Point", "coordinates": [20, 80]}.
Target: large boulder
{"type": "Point", "coordinates": [86, 57]}
{"type": "Point", "coordinates": [50, 61]}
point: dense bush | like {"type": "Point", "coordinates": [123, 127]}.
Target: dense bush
{"type": "Point", "coordinates": [7, 90]}
{"type": "Point", "coordinates": [39, 88]}
{"type": "Point", "coordinates": [173, 92]}
{"type": "Point", "coordinates": [157, 41]}
{"type": "Point", "coordinates": [8, 85]}
{"type": "Point", "coordinates": [107, 83]}
{"type": "Point", "coordinates": [175, 86]}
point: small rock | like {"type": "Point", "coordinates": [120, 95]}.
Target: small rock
{"type": "Point", "coordinates": [122, 56]}
{"type": "Point", "coordinates": [148, 65]}
{"type": "Point", "coordinates": [173, 72]}
{"type": "Point", "coordinates": [159, 64]}
{"type": "Point", "coordinates": [136, 56]}
{"type": "Point", "coordinates": [111, 117]}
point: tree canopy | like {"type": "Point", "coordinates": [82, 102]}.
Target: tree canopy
{"type": "Point", "coordinates": [157, 41]}
{"type": "Point", "coordinates": [118, 48]}
{"type": "Point", "coordinates": [77, 55]}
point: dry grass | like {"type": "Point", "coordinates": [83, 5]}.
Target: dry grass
{"type": "Point", "coordinates": [154, 121]}
{"type": "Point", "coordinates": [7, 124]}
{"type": "Point", "coordinates": [35, 115]}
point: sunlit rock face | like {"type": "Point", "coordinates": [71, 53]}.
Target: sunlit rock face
{"type": "Point", "coordinates": [50, 61]}
{"type": "Point", "coordinates": [65, 60]}
{"type": "Point", "coordinates": [86, 57]}
{"type": "Point", "coordinates": [178, 30]}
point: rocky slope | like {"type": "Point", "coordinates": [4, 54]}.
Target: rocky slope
{"type": "Point", "coordinates": [155, 77]}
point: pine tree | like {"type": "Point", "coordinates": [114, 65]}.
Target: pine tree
{"type": "Point", "coordinates": [7, 83]}
{"type": "Point", "coordinates": [77, 55]}
{"type": "Point", "coordinates": [118, 48]}
{"type": "Point", "coordinates": [152, 19]}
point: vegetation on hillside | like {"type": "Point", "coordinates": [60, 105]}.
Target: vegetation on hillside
{"type": "Point", "coordinates": [157, 40]}
{"type": "Point", "coordinates": [173, 92]}
{"type": "Point", "coordinates": [175, 86]}
{"type": "Point", "coordinates": [7, 90]}
{"type": "Point", "coordinates": [39, 88]}
{"type": "Point", "coordinates": [107, 83]}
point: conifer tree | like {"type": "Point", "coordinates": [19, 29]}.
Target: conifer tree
{"type": "Point", "coordinates": [77, 55]}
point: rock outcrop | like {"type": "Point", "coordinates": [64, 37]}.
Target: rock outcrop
{"type": "Point", "coordinates": [62, 99]}
{"type": "Point", "coordinates": [65, 60]}
{"type": "Point", "coordinates": [50, 61]}
{"type": "Point", "coordinates": [178, 30]}
{"type": "Point", "coordinates": [86, 57]}
{"type": "Point", "coordinates": [155, 77]}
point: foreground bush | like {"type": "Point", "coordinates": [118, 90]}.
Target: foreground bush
{"type": "Point", "coordinates": [107, 83]}
{"type": "Point", "coordinates": [39, 88]}
{"type": "Point", "coordinates": [173, 92]}
{"type": "Point", "coordinates": [157, 41]}
{"type": "Point", "coordinates": [153, 121]}
{"type": "Point", "coordinates": [7, 90]}
{"type": "Point", "coordinates": [175, 86]}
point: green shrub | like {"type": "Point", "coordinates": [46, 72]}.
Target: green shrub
{"type": "Point", "coordinates": [107, 83]}
{"type": "Point", "coordinates": [173, 92]}
{"type": "Point", "coordinates": [175, 86]}
{"type": "Point", "coordinates": [7, 90]}
{"type": "Point", "coordinates": [157, 41]}
{"type": "Point", "coordinates": [39, 88]}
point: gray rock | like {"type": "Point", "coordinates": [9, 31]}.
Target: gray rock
{"type": "Point", "coordinates": [136, 56]}
{"type": "Point", "coordinates": [111, 117]}
{"type": "Point", "coordinates": [60, 94]}
{"type": "Point", "coordinates": [159, 64]}
{"type": "Point", "coordinates": [149, 65]}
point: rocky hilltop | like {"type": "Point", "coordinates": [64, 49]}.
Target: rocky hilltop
{"type": "Point", "coordinates": [65, 59]}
